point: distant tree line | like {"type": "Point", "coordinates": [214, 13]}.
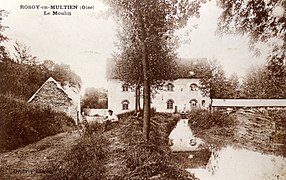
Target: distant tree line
{"type": "Point", "coordinates": [262, 22]}
{"type": "Point", "coordinates": [23, 74]}
{"type": "Point", "coordinates": [94, 98]}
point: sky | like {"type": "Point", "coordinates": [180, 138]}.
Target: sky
{"type": "Point", "coordinates": [85, 40]}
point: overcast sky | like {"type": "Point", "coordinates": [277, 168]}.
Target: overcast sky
{"type": "Point", "coordinates": [84, 41]}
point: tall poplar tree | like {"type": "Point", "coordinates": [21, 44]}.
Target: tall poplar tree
{"type": "Point", "coordinates": [147, 42]}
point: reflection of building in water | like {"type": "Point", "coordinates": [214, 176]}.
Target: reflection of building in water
{"type": "Point", "coordinates": [182, 138]}
{"type": "Point", "coordinates": [212, 165]}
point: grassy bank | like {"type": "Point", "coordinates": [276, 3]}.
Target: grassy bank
{"type": "Point", "coordinates": [216, 128]}
{"type": "Point", "coordinates": [250, 129]}
{"type": "Point", "coordinates": [23, 123]}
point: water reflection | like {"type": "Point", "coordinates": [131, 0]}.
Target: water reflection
{"type": "Point", "coordinates": [182, 139]}
{"type": "Point", "coordinates": [241, 164]}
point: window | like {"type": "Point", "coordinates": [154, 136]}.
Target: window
{"type": "Point", "coordinates": [125, 105]}
{"type": "Point", "coordinates": [203, 103]}
{"type": "Point", "coordinates": [194, 87]}
{"type": "Point", "coordinates": [124, 87]}
{"type": "Point", "coordinates": [170, 87]}
{"type": "Point", "coordinates": [193, 103]}
{"type": "Point", "coordinates": [170, 104]}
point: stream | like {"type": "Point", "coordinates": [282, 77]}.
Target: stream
{"type": "Point", "coordinates": [228, 163]}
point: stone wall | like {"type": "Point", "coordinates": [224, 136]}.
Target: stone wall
{"type": "Point", "coordinates": [50, 95]}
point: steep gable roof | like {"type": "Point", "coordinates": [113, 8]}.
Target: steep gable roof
{"type": "Point", "coordinates": [56, 83]}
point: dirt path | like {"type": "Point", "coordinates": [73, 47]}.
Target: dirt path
{"type": "Point", "coordinates": [35, 160]}
{"type": "Point", "coordinates": [115, 161]}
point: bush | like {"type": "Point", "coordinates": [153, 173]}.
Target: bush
{"type": "Point", "coordinates": [125, 114]}
{"type": "Point", "coordinates": [201, 120]}
{"type": "Point", "coordinates": [23, 123]}
{"type": "Point", "coordinates": [206, 119]}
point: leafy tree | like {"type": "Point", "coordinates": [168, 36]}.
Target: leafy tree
{"type": "Point", "coordinates": [255, 83]}
{"type": "Point", "coordinates": [232, 87]}
{"type": "Point", "coordinates": [262, 21]}
{"type": "Point", "coordinates": [146, 36]}
{"type": "Point", "coordinates": [259, 83]}
{"type": "Point", "coordinates": [23, 56]}
{"type": "Point", "coordinates": [213, 79]}
{"type": "Point", "coordinates": [63, 74]}
{"type": "Point", "coordinates": [94, 98]}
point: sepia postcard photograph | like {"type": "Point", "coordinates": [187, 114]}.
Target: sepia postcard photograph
{"type": "Point", "coordinates": [143, 89]}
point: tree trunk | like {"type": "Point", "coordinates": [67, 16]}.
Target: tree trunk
{"type": "Point", "coordinates": [146, 83]}
{"type": "Point", "coordinates": [146, 99]}
{"type": "Point", "coordinates": [137, 96]}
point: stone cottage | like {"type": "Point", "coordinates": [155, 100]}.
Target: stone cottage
{"type": "Point", "coordinates": [182, 94]}
{"type": "Point", "coordinates": [52, 94]}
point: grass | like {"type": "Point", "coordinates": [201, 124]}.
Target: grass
{"type": "Point", "coordinates": [23, 124]}
{"type": "Point", "coordinates": [86, 159]}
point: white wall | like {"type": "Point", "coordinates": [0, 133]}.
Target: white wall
{"type": "Point", "coordinates": [181, 96]}
{"type": "Point", "coordinates": [116, 96]}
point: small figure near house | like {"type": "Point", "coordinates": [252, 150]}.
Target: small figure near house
{"type": "Point", "coordinates": [111, 118]}
{"type": "Point", "coordinates": [184, 113]}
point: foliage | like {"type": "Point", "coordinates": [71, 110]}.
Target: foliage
{"type": "Point", "coordinates": [3, 51]}
{"type": "Point", "coordinates": [255, 82]}
{"type": "Point", "coordinates": [147, 42]}
{"type": "Point", "coordinates": [23, 123]}
{"type": "Point", "coordinates": [23, 79]}
{"type": "Point", "coordinates": [232, 87]}
{"type": "Point", "coordinates": [22, 55]}
{"type": "Point", "coordinates": [264, 22]}
{"type": "Point", "coordinates": [214, 82]}
{"type": "Point", "coordinates": [201, 120]}
{"type": "Point", "coordinates": [259, 83]}
{"type": "Point", "coordinates": [63, 74]}
{"type": "Point", "coordinates": [94, 98]}
{"type": "Point", "coordinates": [151, 23]}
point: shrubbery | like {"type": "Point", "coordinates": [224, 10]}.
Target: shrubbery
{"type": "Point", "coordinates": [200, 120]}
{"type": "Point", "coordinates": [23, 123]}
